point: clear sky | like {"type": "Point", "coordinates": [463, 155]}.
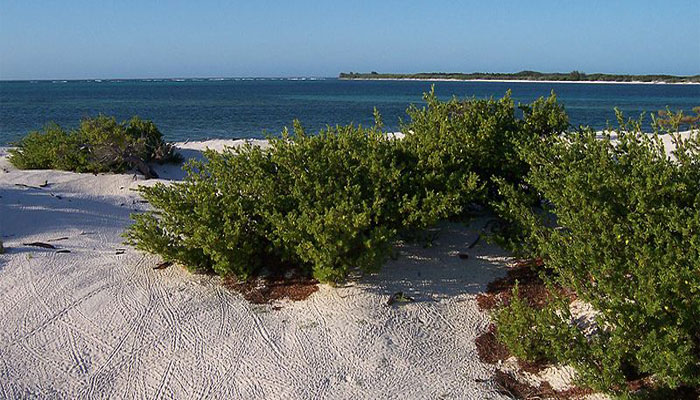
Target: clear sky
{"type": "Point", "coordinates": [147, 38]}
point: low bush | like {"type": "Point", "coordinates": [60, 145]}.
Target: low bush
{"type": "Point", "coordinates": [333, 202]}
{"type": "Point", "coordinates": [615, 220]}
{"type": "Point", "coordinates": [527, 330]}
{"type": "Point", "coordinates": [99, 144]}
{"type": "Point", "coordinates": [625, 238]}
{"type": "Point", "coordinates": [453, 139]}
{"type": "Point", "coordinates": [348, 192]}
{"type": "Point", "coordinates": [326, 204]}
{"type": "Point", "coordinates": [213, 220]}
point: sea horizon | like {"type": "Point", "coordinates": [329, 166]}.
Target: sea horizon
{"type": "Point", "coordinates": [255, 107]}
{"type": "Point", "coordinates": [319, 77]}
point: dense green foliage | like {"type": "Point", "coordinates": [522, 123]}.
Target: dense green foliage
{"type": "Point", "coordinates": [334, 202]}
{"type": "Point", "coordinates": [627, 240]}
{"type": "Point", "coordinates": [99, 144]}
{"type": "Point", "coordinates": [525, 76]}
{"type": "Point", "coordinates": [455, 138]}
{"type": "Point", "coordinates": [326, 203]}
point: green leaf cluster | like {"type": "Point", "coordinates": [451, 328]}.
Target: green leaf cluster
{"type": "Point", "coordinates": [621, 228]}
{"type": "Point", "coordinates": [457, 138]}
{"type": "Point", "coordinates": [334, 202]}
{"type": "Point", "coordinates": [327, 204]}
{"type": "Point", "coordinates": [99, 144]}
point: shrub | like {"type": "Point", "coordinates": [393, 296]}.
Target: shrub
{"type": "Point", "coordinates": [456, 138]}
{"type": "Point", "coordinates": [627, 240]}
{"type": "Point", "coordinates": [40, 150]}
{"type": "Point", "coordinates": [213, 220]}
{"type": "Point", "coordinates": [527, 330]}
{"type": "Point", "coordinates": [334, 202]}
{"type": "Point", "coordinates": [98, 145]}
{"type": "Point", "coordinates": [327, 204]}
{"type": "Point", "coordinates": [676, 121]}
{"type": "Point", "coordinates": [340, 190]}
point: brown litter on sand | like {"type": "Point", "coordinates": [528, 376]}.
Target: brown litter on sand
{"type": "Point", "coordinates": [509, 385]}
{"type": "Point", "coordinates": [533, 290]}
{"type": "Point", "coordinates": [488, 347]}
{"type": "Point", "coordinates": [530, 285]}
{"type": "Point", "coordinates": [264, 290]}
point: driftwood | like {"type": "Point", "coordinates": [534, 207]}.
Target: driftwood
{"type": "Point", "coordinates": [145, 169]}
{"type": "Point", "coordinates": [163, 265]}
{"type": "Point", "coordinates": [399, 297]}
{"type": "Point", "coordinates": [40, 244]}
{"type": "Point", "coordinates": [27, 186]}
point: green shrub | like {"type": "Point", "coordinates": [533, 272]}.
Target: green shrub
{"type": "Point", "coordinates": [98, 145]}
{"type": "Point", "coordinates": [527, 330]}
{"type": "Point", "coordinates": [334, 202]}
{"type": "Point", "coordinates": [626, 239]}
{"type": "Point", "coordinates": [326, 204]}
{"type": "Point", "coordinates": [341, 211]}
{"type": "Point", "coordinates": [213, 220]}
{"type": "Point", "coordinates": [40, 150]}
{"type": "Point", "coordinates": [457, 138]}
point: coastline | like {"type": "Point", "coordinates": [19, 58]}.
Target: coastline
{"type": "Point", "coordinates": [517, 81]}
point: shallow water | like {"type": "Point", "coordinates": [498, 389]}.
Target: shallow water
{"type": "Point", "coordinates": [197, 109]}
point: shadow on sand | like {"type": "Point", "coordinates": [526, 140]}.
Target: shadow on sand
{"type": "Point", "coordinates": [446, 269]}
{"type": "Point", "coordinates": [27, 213]}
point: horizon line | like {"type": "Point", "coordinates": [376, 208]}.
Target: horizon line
{"type": "Point", "coordinates": [214, 77]}
{"type": "Point", "coordinates": [174, 78]}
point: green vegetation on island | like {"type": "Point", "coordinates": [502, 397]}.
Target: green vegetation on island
{"type": "Point", "coordinates": [574, 76]}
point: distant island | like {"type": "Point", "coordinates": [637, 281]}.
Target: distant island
{"type": "Point", "coordinates": [574, 76]}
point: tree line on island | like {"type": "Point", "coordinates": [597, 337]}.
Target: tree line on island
{"type": "Point", "coordinates": [573, 76]}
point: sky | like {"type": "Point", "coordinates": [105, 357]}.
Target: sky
{"type": "Point", "coordinates": [73, 39]}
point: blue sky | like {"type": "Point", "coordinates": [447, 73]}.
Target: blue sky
{"type": "Point", "coordinates": [133, 39]}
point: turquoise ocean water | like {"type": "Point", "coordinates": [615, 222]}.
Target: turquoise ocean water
{"type": "Point", "coordinates": [197, 109]}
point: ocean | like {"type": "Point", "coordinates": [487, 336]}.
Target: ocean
{"type": "Point", "coordinates": [197, 109]}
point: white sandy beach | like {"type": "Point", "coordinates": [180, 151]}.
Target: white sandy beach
{"type": "Point", "coordinates": [96, 324]}
{"type": "Point", "coordinates": [100, 322]}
